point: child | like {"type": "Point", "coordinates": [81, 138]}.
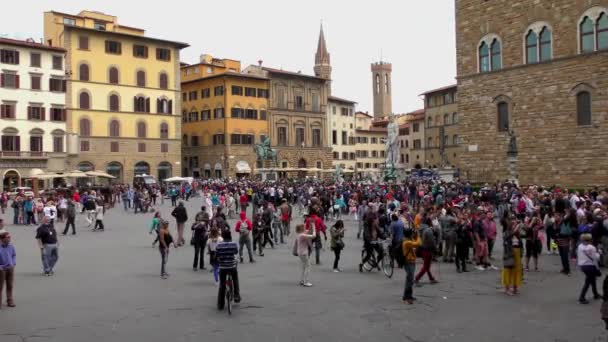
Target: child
{"type": "Point", "coordinates": [7, 266]}
{"type": "Point", "coordinates": [155, 226]}
{"type": "Point", "coordinates": [410, 243]}
{"type": "Point", "coordinates": [214, 240]}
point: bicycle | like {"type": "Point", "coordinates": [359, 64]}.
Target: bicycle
{"type": "Point", "coordinates": [386, 264]}
{"type": "Point", "coordinates": [229, 293]}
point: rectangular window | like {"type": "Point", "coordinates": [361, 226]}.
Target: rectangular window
{"type": "Point", "coordinates": [218, 113]}
{"type": "Point", "coordinates": [57, 62]}
{"type": "Point", "coordinates": [316, 106]}
{"type": "Point", "coordinates": [140, 51]}
{"type": "Point", "coordinates": [206, 115]}
{"type": "Point", "coordinates": [36, 144]}
{"type": "Point", "coordinates": [163, 54]}
{"type": "Point", "coordinates": [235, 139]}
{"type": "Point", "coordinates": [218, 139]}
{"type": "Point", "coordinates": [9, 80]}
{"type": "Point", "coordinates": [300, 137]}
{"type": "Point", "coordinates": [11, 143]}
{"type": "Point", "coordinates": [282, 136]}
{"type": "Point", "coordinates": [84, 146]}
{"type": "Point", "coordinates": [164, 148]}
{"type": "Point", "coordinates": [99, 26]}
{"type": "Point", "coordinates": [250, 92]}
{"type": "Point", "coordinates": [194, 141]}
{"type": "Point", "coordinates": [251, 114]}
{"type": "Point", "coordinates": [57, 114]}
{"type": "Point", "coordinates": [83, 42]}
{"type": "Point", "coordinates": [316, 137]}
{"type": "Point", "coordinates": [69, 21]}
{"type": "Point", "coordinates": [35, 82]}
{"type": "Point", "coordinates": [343, 111]}
{"type": "Point", "coordinates": [9, 56]}
{"type": "Point", "coordinates": [184, 97]}
{"type": "Point", "coordinates": [263, 93]}
{"type": "Point", "coordinates": [35, 113]}
{"type": "Point", "coordinates": [113, 47]}
{"type": "Point", "coordinates": [237, 90]}
{"type": "Point", "coordinates": [374, 154]}
{"type": "Point", "coordinates": [218, 91]}
{"type": "Point", "coordinates": [334, 137]}
{"type": "Point", "coordinates": [503, 117]}
{"type": "Point", "coordinates": [263, 115]}
{"type": "Point", "coordinates": [57, 85]}
{"type": "Point", "coordinates": [35, 60]}
{"type": "Point", "coordinates": [417, 143]}
{"type": "Point", "coordinates": [141, 147]}
{"type": "Point", "coordinates": [7, 111]}
{"type": "Point", "coordinates": [299, 105]}
{"type": "Point", "coordinates": [114, 146]}
{"type": "Point", "coordinates": [344, 138]}
{"type": "Point", "coordinates": [416, 127]}
{"type": "Point", "coordinates": [58, 144]}
{"type": "Point", "coordinates": [205, 93]}
{"type": "Point", "coordinates": [281, 98]}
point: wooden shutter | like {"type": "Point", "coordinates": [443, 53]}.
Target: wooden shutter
{"type": "Point", "coordinates": [42, 113]}
{"type": "Point", "coordinates": [16, 81]}
{"type": "Point", "coordinates": [3, 111]}
{"type": "Point", "coordinates": [29, 112]}
{"type": "Point", "coordinates": [107, 46]}
{"type": "Point", "coordinates": [148, 105]}
{"type": "Point", "coordinates": [16, 57]}
{"type": "Point", "coordinates": [1, 80]}
{"type": "Point", "coordinates": [145, 51]}
{"type": "Point", "coordinates": [64, 114]}
{"type": "Point", "coordinates": [18, 143]}
{"type": "Point", "coordinates": [170, 105]}
{"type": "Point", "coordinates": [158, 106]}
{"type": "Point", "coordinates": [119, 47]}
{"type": "Point", "coordinates": [63, 85]}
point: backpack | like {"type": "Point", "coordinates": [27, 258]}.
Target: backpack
{"type": "Point", "coordinates": [565, 230]}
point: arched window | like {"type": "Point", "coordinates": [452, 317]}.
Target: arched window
{"type": "Point", "coordinates": [83, 72]}
{"type": "Point", "coordinates": [114, 128]}
{"type": "Point", "coordinates": [587, 35]}
{"type": "Point", "coordinates": [430, 122]}
{"type": "Point", "coordinates": [503, 116]}
{"type": "Point", "coordinates": [114, 103]}
{"type": "Point", "coordinates": [85, 127]}
{"type": "Point", "coordinates": [455, 140]}
{"type": "Point", "coordinates": [163, 81]}
{"type": "Point", "coordinates": [545, 44]}
{"type": "Point", "coordinates": [164, 106]}
{"type": "Point", "coordinates": [85, 100]}
{"type": "Point", "coordinates": [141, 78]}
{"type": "Point", "coordinates": [164, 130]}
{"type": "Point", "coordinates": [583, 108]}
{"type": "Point", "coordinates": [141, 104]}
{"type": "Point", "coordinates": [531, 47]}
{"type": "Point", "coordinates": [496, 55]}
{"type": "Point", "coordinates": [141, 129]}
{"type": "Point", "coordinates": [454, 117]}
{"type": "Point", "coordinates": [386, 84]}
{"type": "Point", "coordinates": [484, 57]}
{"type": "Point", "coordinates": [446, 119]}
{"type": "Point", "coordinates": [377, 83]}
{"type": "Point", "coordinates": [602, 31]}
{"type": "Point", "coordinates": [113, 75]}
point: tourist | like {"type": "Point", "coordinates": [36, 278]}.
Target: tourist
{"type": "Point", "coordinates": [155, 227]}
{"type": "Point", "coordinates": [428, 249]}
{"type": "Point", "coordinates": [90, 208]}
{"type": "Point", "coordinates": [267, 219]}
{"type": "Point", "coordinates": [70, 215]}
{"type": "Point", "coordinates": [244, 228]}
{"type": "Point", "coordinates": [411, 241]}
{"type": "Point", "coordinates": [47, 242]}
{"type": "Point", "coordinates": [481, 243]}
{"type": "Point", "coordinates": [165, 240]}
{"type": "Point", "coordinates": [588, 258]}
{"type": "Point", "coordinates": [462, 242]}
{"type": "Point", "coordinates": [8, 261]}
{"type": "Point", "coordinates": [181, 216]}
{"type": "Point", "coordinates": [337, 242]}
{"type": "Point", "coordinates": [448, 232]}
{"type": "Point", "coordinates": [533, 231]}
{"type": "Point", "coordinates": [3, 201]}
{"type": "Point", "coordinates": [28, 207]}
{"type": "Point", "coordinates": [512, 274]}
{"type": "Point", "coordinates": [563, 236]}
{"type": "Point", "coordinates": [226, 252]}
{"type": "Point", "coordinates": [302, 245]}
{"type": "Point", "coordinates": [99, 212]}
{"type": "Point", "coordinates": [285, 210]}
{"type": "Point", "coordinates": [200, 234]}
{"type": "Point", "coordinates": [489, 226]}
{"type": "Point", "coordinates": [214, 240]}
{"type": "Point", "coordinates": [314, 218]}
{"type": "Point", "coordinates": [258, 234]}
{"type": "Point", "coordinates": [62, 207]}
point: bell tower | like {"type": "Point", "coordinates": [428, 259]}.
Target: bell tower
{"type": "Point", "coordinates": [382, 89]}
{"type": "Point", "coordinates": [322, 63]}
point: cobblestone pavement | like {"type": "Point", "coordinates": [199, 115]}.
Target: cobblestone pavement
{"type": "Point", "coordinates": [107, 287]}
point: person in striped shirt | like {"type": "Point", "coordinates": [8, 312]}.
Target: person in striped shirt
{"type": "Point", "coordinates": [225, 253]}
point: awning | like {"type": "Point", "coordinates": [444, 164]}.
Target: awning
{"type": "Point", "coordinates": [243, 167]}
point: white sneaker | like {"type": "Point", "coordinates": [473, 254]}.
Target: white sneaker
{"type": "Point", "coordinates": [480, 268]}
{"type": "Point", "coordinates": [307, 284]}
{"type": "Point", "coordinates": [494, 267]}
{"type": "Point", "coordinates": [336, 270]}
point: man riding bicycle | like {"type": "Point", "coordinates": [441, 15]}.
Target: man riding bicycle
{"type": "Point", "coordinates": [371, 239]}
{"type": "Point", "coordinates": [226, 252]}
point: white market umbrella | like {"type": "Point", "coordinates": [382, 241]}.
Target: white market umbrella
{"type": "Point", "coordinates": [100, 174]}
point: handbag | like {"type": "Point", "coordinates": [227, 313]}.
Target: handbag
{"type": "Point", "coordinates": [598, 272]}
{"type": "Point", "coordinates": [508, 259]}
{"type": "Point", "coordinates": [339, 244]}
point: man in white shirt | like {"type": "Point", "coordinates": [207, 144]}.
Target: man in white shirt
{"type": "Point", "coordinates": [573, 200]}
{"type": "Point", "coordinates": [50, 211]}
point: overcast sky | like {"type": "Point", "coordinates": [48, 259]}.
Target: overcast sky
{"type": "Point", "coordinates": [417, 37]}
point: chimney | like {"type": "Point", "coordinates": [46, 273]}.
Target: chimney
{"type": "Point", "coordinates": [260, 62]}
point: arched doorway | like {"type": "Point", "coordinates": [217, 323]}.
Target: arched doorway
{"type": "Point", "coordinates": [12, 179]}
{"type": "Point", "coordinates": [142, 168]}
{"type": "Point", "coordinates": [115, 169]}
{"type": "Point", "coordinates": [85, 166]}
{"type": "Point", "coordinates": [164, 170]}
{"type": "Point", "coordinates": [218, 170]}
{"type": "Point", "coordinates": [302, 166]}
{"type": "Point", "coordinates": [207, 170]}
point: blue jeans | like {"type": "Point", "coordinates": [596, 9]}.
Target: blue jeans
{"type": "Point", "coordinates": [16, 216]}
{"type": "Point", "coordinates": [410, 269]}
{"type": "Point", "coordinates": [125, 204]}
{"type": "Point", "coordinates": [50, 255]}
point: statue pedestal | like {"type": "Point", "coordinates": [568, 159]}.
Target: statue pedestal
{"type": "Point", "coordinates": [269, 176]}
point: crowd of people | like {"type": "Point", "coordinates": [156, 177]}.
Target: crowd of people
{"type": "Point", "coordinates": [429, 220]}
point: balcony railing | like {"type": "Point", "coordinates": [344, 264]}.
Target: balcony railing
{"type": "Point", "coordinates": [23, 154]}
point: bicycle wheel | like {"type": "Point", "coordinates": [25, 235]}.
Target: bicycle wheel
{"type": "Point", "coordinates": [368, 266]}
{"type": "Point", "coordinates": [387, 265]}
{"type": "Point", "coordinates": [229, 296]}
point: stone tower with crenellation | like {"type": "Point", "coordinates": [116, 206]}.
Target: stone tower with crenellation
{"type": "Point", "coordinates": [382, 89]}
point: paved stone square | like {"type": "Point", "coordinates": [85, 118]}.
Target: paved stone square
{"type": "Point", "coordinates": [107, 287]}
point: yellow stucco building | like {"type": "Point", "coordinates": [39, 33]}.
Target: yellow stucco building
{"type": "Point", "coordinates": [122, 96]}
{"type": "Point", "coordinates": [225, 112]}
